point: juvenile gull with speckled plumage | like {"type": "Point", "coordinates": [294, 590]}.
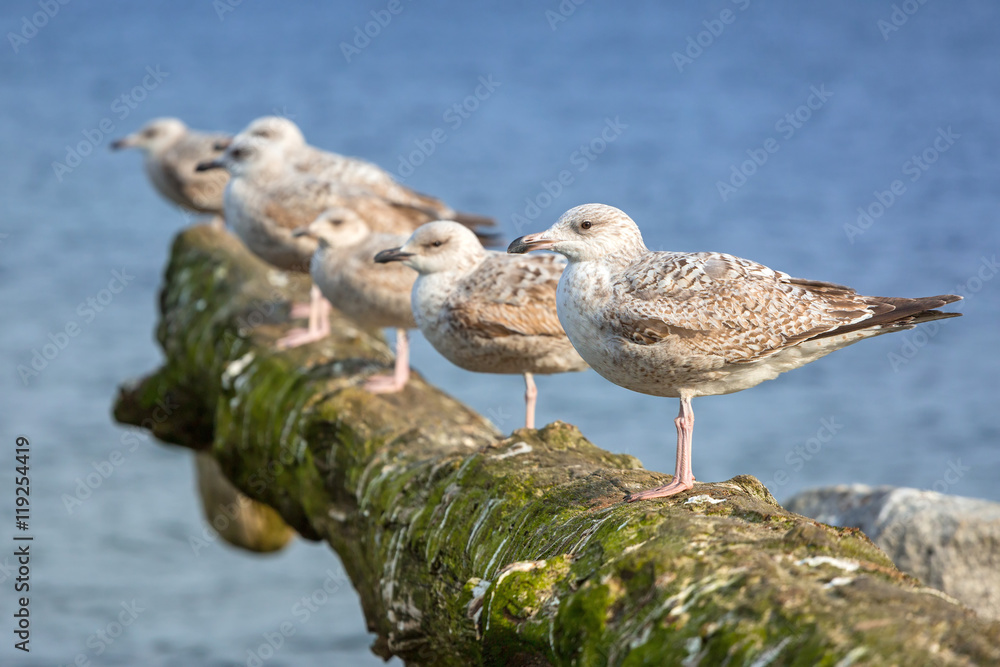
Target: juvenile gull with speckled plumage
{"type": "Point", "coordinates": [266, 200]}
{"type": "Point", "coordinates": [699, 324]}
{"type": "Point", "coordinates": [486, 311]}
{"type": "Point", "coordinates": [350, 171]}
{"type": "Point", "coordinates": [373, 295]}
{"type": "Point", "coordinates": [171, 154]}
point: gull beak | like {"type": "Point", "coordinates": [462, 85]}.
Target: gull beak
{"type": "Point", "coordinates": [211, 164]}
{"type": "Point", "coordinates": [222, 144]}
{"type": "Point", "coordinates": [392, 255]}
{"type": "Point", "coordinates": [529, 242]}
{"type": "Point", "coordinates": [302, 231]}
{"type": "Point", "coordinates": [124, 142]}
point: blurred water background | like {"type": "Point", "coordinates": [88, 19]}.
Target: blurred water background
{"type": "Point", "coordinates": [639, 105]}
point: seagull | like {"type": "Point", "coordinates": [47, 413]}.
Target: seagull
{"type": "Point", "coordinates": [699, 324]}
{"type": "Point", "coordinates": [266, 200]}
{"type": "Point", "coordinates": [350, 171]}
{"type": "Point", "coordinates": [171, 154]}
{"type": "Point", "coordinates": [486, 311]}
{"type": "Point", "coordinates": [373, 295]}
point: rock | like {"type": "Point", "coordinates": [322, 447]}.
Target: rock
{"type": "Point", "coordinates": [467, 547]}
{"type": "Point", "coordinates": [948, 542]}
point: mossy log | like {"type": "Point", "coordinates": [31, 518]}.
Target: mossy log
{"type": "Point", "coordinates": [468, 547]}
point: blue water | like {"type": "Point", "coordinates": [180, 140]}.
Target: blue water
{"type": "Point", "coordinates": [902, 409]}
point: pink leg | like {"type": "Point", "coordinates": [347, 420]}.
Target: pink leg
{"type": "Point", "coordinates": [390, 384]}
{"type": "Point", "coordinates": [324, 307]}
{"type": "Point", "coordinates": [683, 476]}
{"type": "Point", "coordinates": [530, 394]}
{"type": "Point", "coordinates": [300, 310]}
{"type": "Point", "coordinates": [319, 323]}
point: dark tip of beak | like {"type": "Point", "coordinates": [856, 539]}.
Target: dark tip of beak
{"type": "Point", "coordinates": [118, 144]}
{"type": "Point", "coordinates": [530, 242]}
{"type": "Point", "coordinates": [392, 255]}
{"type": "Point", "coordinates": [301, 231]}
{"type": "Point", "coordinates": [206, 166]}
{"type": "Point", "coordinates": [222, 144]}
{"type": "Point", "coordinates": [518, 246]}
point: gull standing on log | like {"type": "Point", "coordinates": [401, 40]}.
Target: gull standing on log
{"type": "Point", "coordinates": [266, 200]}
{"type": "Point", "coordinates": [485, 311]}
{"type": "Point", "coordinates": [373, 295]}
{"type": "Point", "coordinates": [171, 154]}
{"type": "Point", "coordinates": [699, 324]}
{"type": "Point", "coordinates": [350, 171]}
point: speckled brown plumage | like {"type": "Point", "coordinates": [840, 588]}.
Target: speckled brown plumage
{"type": "Point", "coordinates": [509, 298]}
{"type": "Point", "coordinates": [266, 200]}
{"type": "Point", "coordinates": [351, 171]}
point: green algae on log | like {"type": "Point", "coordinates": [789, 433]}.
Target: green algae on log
{"type": "Point", "coordinates": [467, 547]}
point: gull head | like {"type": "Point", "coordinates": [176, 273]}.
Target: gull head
{"type": "Point", "coordinates": [155, 136]}
{"type": "Point", "coordinates": [336, 227]}
{"type": "Point", "coordinates": [588, 232]}
{"type": "Point", "coordinates": [437, 247]}
{"type": "Point", "coordinates": [246, 156]}
{"type": "Point", "coordinates": [274, 129]}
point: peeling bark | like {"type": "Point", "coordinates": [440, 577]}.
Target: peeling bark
{"type": "Point", "coordinates": [467, 547]}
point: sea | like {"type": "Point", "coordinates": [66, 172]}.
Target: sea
{"type": "Point", "coordinates": [855, 142]}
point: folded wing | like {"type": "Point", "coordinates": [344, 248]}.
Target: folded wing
{"type": "Point", "coordinates": [510, 295]}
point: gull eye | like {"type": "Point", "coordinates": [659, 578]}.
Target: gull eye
{"type": "Point", "coordinates": [437, 244]}
{"type": "Point", "coordinates": [240, 153]}
{"type": "Point", "coordinates": [151, 132]}
{"type": "Point", "coordinates": [586, 224]}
